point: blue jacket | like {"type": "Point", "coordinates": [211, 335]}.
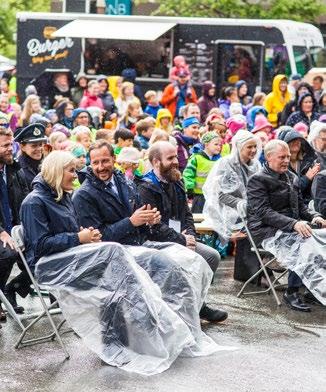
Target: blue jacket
{"type": "Point", "coordinates": [143, 141]}
{"type": "Point", "coordinates": [98, 206]}
{"type": "Point", "coordinates": [152, 110]}
{"type": "Point", "coordinates": [49, 226]}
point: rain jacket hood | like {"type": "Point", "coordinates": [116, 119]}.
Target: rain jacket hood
{"type": "Point", "coordinates": [160, 114]}
{"type": "Point", "coordinates": [276, 101]}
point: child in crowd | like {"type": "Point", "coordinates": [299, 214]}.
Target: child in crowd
{"type": "Point", "coordinates": [215, 122]}
{"type": "Point", "coordinates": [127, 96]}
{"type": "Point", "coordinates": [58, 141]}
{"type": "Point", "coordinates": [235, 108]}
{"type": "Point", "coordinates": [84, 137]}
{"type": "Point", "coordinates": [122, 138]}
{"type": "Point", "coordinates": [198, 167]}
{"type": "Point", "coordinates": [105, 134]}
{"type": "Point", "coordinates": [80, 153]}
{"type": "Point", "coordinates": [302, 128]}
{"type": "Point", "coordinates": [144, 129]}
{"type": "Point", "coordinates": [234, 124]}
{"type": "Point", "coordinates": [153, 105]}
{"type": "Point", "coordinates": [128, 162]}
{"type": "Point", "coordinates": [164, 121]}
{"type": "Point", "coordinates": [133, 114]}
{"type": "Point", "coordinates": [179, 65]}
{"type": "Point", "coordinates": [263, 125]}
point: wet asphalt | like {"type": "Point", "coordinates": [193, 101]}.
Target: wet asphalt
{"type": "Point", "coordinates": [277, 349]}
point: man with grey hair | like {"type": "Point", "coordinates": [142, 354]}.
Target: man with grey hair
{"type": "Point", "coordinates": [282, 224]}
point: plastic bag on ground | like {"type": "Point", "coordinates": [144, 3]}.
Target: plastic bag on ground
{"type": "Point", "coordinates": [305, 256]}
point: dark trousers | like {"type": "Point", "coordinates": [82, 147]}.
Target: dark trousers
{"type": "Point", "coordinates": [8, 257]}
{"type": "Point", "coordinates": [198, 204]}
{"type": "Point", "coordinates": [21, 283]}
{"type": "Point", "coordinates": [293, 280]}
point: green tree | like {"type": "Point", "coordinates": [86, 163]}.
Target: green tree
{"type": "Point", "coordinates": [306, 11]}
{"type": "Point", "coordinates": [8, 24]}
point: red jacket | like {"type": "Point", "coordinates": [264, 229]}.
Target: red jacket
{"type": "Point", "coordinates": [88, 101]}
{"type": "Point", "coordinates": [169, 100]}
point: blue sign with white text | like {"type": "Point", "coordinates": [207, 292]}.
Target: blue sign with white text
{"type": "Point", "coordinates": [118, 7]}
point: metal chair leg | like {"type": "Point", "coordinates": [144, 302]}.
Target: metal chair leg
{"type": "Point", "coordinates": [10, 310]}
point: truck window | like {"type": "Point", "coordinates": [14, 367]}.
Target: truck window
{"type": "Point", "coordinates": [318, 57]}
{"type": "Point", "coordinates": [276, 62]}
{"type": "Point", "coordinates": [238, 62]}
{"type": "Point", "coordinates": [302, 59]}
{"type": "Point", "coordinates": [110, 57]}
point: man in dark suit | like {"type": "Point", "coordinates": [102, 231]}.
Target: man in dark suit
{"type": "Point", "coordinates": [111, 204]}
{"type": "Point", "coordinates": [13, 189]}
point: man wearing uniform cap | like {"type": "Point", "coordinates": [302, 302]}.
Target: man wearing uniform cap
{"type": "Point", "coordinates": [31, 140]}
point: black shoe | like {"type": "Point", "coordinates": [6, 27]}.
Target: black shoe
{"type": "Point", "coordinates": [212, 315]}
{"type": "Point", "coordinates": [311, 299]}
{"type": "Point", "coordinates": [11, 297]}
{"type": "Point", "coordinates": [3, 316]}
{"type": "Point", "coordinates": [295, 302]}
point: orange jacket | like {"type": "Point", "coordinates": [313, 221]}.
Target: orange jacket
{"type": "Point", "coordinates": [169, 100]}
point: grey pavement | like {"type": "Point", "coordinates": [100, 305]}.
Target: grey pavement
{"type": "Point", "coordinates": [276, 350]}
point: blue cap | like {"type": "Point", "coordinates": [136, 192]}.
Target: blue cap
{"type": "Point", "coordinates": [33, 133]}
{"type": "Point", "coordinates": [190, 121]}
{"type": "Point", "coordinates": [295, 77]}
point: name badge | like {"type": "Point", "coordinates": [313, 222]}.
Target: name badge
{"type": "Point", "coordinates": [175, 225]}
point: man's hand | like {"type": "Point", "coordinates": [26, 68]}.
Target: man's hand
{"type": "Point", "coordinates": [144, 215]}
{"type": "Point", "coordinates": [156, 219]}
{"type": "Point", "coordinates": [89, 235]}
{"type": "Point", "coordinates": [190, 240]}
{"type": "Point", "coordinates": [312, 171]}
{"type": "Point", "coordinates": [6, 239]}
{"type": "Point", "coordinates": [303, 229]}
{"type": "Point", "coordinates": [319, 220]}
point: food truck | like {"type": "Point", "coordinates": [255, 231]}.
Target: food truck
{"type": "Point", "coordinates": [222, 50]}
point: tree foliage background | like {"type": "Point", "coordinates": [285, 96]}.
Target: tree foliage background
{"type": "Point", "coordinates": [299, 10]}
{"type": "Point", "coordinates": [8, 24]}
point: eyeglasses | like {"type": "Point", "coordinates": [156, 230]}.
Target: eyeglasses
{"type": "Point", "coordinates": [4, 125]}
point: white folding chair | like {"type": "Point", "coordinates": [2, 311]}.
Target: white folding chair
{"type": "Point", "coordinates": [272, 284]}
{"type": "Point", "coordinates": [17, 234]}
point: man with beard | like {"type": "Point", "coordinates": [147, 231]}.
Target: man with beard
{"type": "Point", "coordinates": [163, 188]}
{"type": "Point", "coordinates": [111, 204]}
{"type": "Point", "coordinates": [13, 189]}
{"type": "Point", "coordinates": [31, 140]}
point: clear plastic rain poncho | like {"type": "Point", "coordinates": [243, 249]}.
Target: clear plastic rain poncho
{"type": "Point", "coordinates": [226, 186]}
{"type": "Point", "coordinates": [305, 256]}
{"type": "Point", "coordinates": [136, 307]}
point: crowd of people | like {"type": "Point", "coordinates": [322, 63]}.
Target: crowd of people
{"type": "Point", "coordinates": [114, 176]}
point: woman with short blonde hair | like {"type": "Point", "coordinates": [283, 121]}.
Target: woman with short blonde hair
{"type": "Point", "coordinates": [53, 168]}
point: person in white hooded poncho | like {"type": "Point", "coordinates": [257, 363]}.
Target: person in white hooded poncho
{"type": "Point", "coordinates": [226, 184]}
{"type": "Point", "coordinates": [317, 139]}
